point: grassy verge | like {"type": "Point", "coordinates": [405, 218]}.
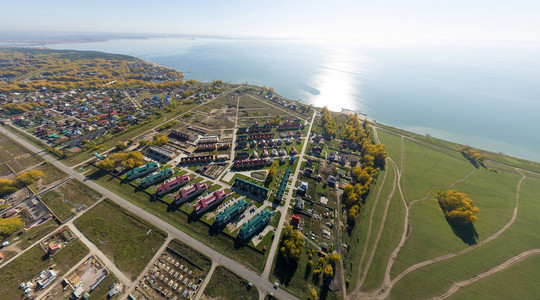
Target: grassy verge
{"type": "Point", "coordinates": [225, 284]}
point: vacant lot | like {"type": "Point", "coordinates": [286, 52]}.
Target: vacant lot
{"type": "Point", "coordinates": [106, 225]}
{"type": "Point", "coordinates": [33, 261]}
{"type": "Point", "coordinates": [65, 199]}
{"type": "Point", "coordinates": [224, 284]}
{"type": "Point", "coordinates": [191, 254]}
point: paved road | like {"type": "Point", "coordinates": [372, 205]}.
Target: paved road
{"type": "Point", "coordinates": [283, 209]}
{"type": "Point", "coordinates": [233, 265]}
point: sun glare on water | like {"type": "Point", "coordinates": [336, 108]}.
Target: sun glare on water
{"type": "Point", "coordinates": [339, 81]}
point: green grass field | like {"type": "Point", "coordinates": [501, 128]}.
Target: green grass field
{"type": "Point", "coordinates": [65, 199]}
{"type": "Point", "coordinates": [428, 169]}
{"type": "Point", "coordinates": [106, 225]}
{"type": "Point", "coordinates": [519, 281]}
{"type": "Point", "coordinates": [494, 193]}
{"type": "Point", "coordinates": [225, 284]}
{"type": "Point", "coordinates": [33, 261]}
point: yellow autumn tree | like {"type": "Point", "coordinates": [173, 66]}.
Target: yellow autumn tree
{"type": "Point", "coordinates": [7, 186]}
{"type": "Point", "coordinates": [29, 177]}
{"type": "Point", "coordinates": [9, 226]}
{"type": "Point", "coordinates": [457, 207]}
{"type": "Point", "coordinates": [292, 245]}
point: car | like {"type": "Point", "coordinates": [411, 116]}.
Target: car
{"type": "Point", "coordinates": [276, 285]}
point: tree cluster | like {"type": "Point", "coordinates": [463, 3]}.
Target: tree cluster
{"type": "Point", "coordinates": [292, 245]}
{"type": "Point", "coordinates": [271, 173]}
{"type": "Point", "coordinates": [457, 207]}
{"type": "Point", "coordinates": [328, 123]}
{"type": "Point", "coordinates": [9, 226]}
{"type": "Point", "coordinates": [29, 177]}
{"type": "Point", "coordinates": [473, 155]}
{"type": "Point", "coordinates": [127, 160]}
{"type": "Point", "coordinates": [160, 139]}
{"type": "Point", "coordinates": [7, 186]}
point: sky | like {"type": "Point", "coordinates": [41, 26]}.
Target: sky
{"type": "Point", "coordinates": [345, 20]}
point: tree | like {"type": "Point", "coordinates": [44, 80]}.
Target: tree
{"type": "Point", "coordinates": [126, 160]}
{"type": "Point", "coordinates": [457, 207]}
{"type": "Point", "coordinates": [271, 173]}
{"type": "Point", "coordinates": [146, 143]}
{"type": "Point", "coordinates": [333, 258]}
{"type": "Point", "coordinates": [312, 294]}
{"type": "Point", "coordinates": [292, 245]}
{"type": "Point", "coordinates": [121, 146]}
{"type": "Point", "coordinates": [160, 139]}
{"type": "Point", "coordinates": [7, 186]}
{"type": "Point", "coordinates": [29, 177]}
{"type": "Point", "coordinates": [328, 271]}
{"type": "Point", "coordinates": [9, 226]}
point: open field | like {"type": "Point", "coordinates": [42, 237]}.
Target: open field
{"type": "Point", "coordinates": [191, 254]}
{"type": "Point", "coordinates": [504, 228]}
{"type": "Point", "coordinates": [51, 174]}
{"type": "Point", "coordinates": [70, 197]}
{"type": "Point", "coordinates": [33, 261]}
{"type": "Point", "coordinates": [106, 225]}
{"type": "Point", "coordinates": [436, 278]}
{"type": "Point", "coordinates": [34, 234]}
{"type": "Point", "coordinates": [225, 284]}
{"type": "Point", "coordinates": [518, 281]}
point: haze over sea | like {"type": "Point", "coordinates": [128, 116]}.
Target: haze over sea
{"type": "Point", "coordinates": [487, 96]}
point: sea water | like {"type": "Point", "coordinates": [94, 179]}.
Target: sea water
{"type": "Point", "coordinates": [485, 95]}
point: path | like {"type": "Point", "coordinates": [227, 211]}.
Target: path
{"type": "Point", "coordinates": [456, 286]}
{"type": "Point", "coordinates": [46, 236]}
{"type": "Point", "coordinates": [131, 287]}
{"type": "Point", "coordinates": [359, 284]}
{"type": "Point", "coordinates": [94, 250]}
{"type": "Point", "coordinates": [200, 292]}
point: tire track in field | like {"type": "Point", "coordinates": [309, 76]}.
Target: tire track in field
{"type": "Point", "coordinates": [385, 290]}
{"type": "Point", "coordinates": [397, 175]}
{"type": "Point", "coordinates": [456, 286]}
